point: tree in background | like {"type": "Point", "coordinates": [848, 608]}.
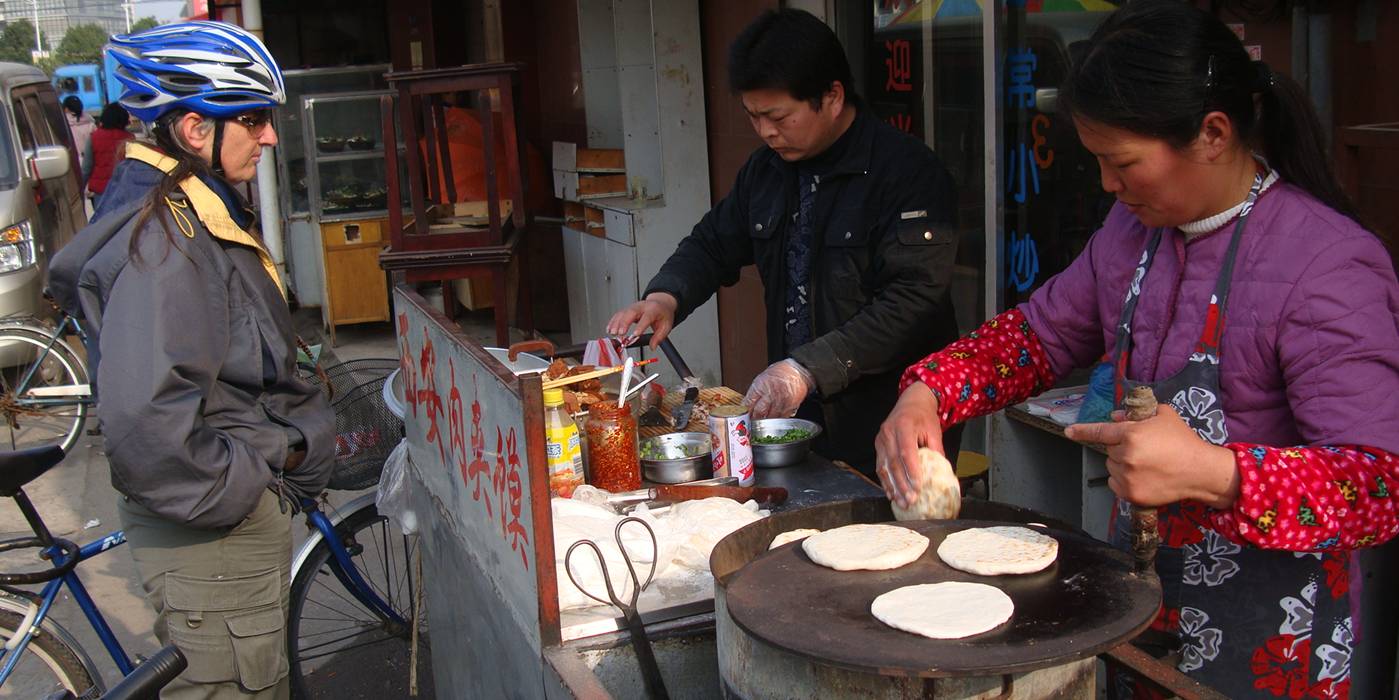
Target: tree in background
{"type": "Point", "coordinates": [143, 24]}
{"type": "Point", "coordinates": [82, 44]}
{"type": "Point", "coordinates": [17, 42]}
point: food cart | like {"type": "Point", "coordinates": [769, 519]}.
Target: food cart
{"type": "Point", "coordinates": [770, 628]}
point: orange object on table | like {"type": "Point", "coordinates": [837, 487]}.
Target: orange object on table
{"type": "Point", "coordinates": [464, 141]}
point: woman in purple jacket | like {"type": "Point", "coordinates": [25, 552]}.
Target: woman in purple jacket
{"type": "Point", "coordinates": [1233, 278]}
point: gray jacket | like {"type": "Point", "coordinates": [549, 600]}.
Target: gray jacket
{"type": "Point", "coordinates": [197, 383]}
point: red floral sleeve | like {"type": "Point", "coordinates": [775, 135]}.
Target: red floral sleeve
{"type": "Point", "coordinates": [999, 364]}
{"type": "Point", "coordinates": [1306, 499]}
{"type": "Point", "coordinates": [1292, 498]}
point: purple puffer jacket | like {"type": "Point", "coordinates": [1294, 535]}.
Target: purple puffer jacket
{"type": "Point", "coordinates": [1310, 353]}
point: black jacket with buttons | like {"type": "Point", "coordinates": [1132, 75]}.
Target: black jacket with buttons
{"type": "Point", "coordinates": [882, 256]}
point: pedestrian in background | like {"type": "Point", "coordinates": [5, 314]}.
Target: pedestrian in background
{"type": "Point", "coordinates": [108, 148]}
{"type": "Point", "coordinates": [81, 126]}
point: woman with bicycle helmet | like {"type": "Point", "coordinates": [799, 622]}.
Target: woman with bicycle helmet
{"type": "Point", "coordinates": [210, 434]}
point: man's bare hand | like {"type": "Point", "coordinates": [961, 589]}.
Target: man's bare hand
{"type": "Point", "coordinates": [656, 312]}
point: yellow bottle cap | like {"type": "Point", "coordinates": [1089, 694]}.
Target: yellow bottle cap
{"type": "Point", "coordinates": [553, 397]}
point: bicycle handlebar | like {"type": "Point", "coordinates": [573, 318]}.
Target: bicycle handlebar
{"type": "Point", "coordinates": [148, 678]}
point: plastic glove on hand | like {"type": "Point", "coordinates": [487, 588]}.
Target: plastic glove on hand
{"type": "Point", "coordinates": [779, 390]}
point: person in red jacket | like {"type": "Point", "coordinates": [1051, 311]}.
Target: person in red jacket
{"type": "Point", "coordinates": [108, 147]}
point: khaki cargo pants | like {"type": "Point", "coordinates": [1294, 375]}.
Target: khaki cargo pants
{"type": "Point", "coordinates": [221, 597]}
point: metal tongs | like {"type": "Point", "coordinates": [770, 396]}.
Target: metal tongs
{"type": "Point", "coordinates": [650, 671]}
{"type": "Point", "coordinates": [689, 384]}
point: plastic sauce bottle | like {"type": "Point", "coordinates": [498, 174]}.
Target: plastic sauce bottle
{"type": "Point", "coordinates": [561, 445]}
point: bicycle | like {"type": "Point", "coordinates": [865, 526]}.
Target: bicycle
{"type": "Point", "coordinates": [353, 591]}
{"type": "Point", "coordinates": [45, 389]}
{"type": "Point", "coordinates": [352, 599]}
{"type": "Point", "coordinates": [55, 662]}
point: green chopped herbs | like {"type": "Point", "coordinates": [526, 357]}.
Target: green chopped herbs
{"type": "Point", "coordinates": [786, 436]}
{"type": "Point", "coordinates": [655, 450]}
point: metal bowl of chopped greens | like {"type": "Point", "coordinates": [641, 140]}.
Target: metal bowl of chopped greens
{"type": "Point", "coordinates": [676, 458]}
{"type": "Point", "coordinates": [782, 442]}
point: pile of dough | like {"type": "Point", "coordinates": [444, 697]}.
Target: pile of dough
{"type": "Point", "coordinates": [939, 491]}
{"type": "Point", "coordinates": [875, 547]}
{"type": "Point", "coordinates": [949, 610]}
{"type": "Point", "coordinates": [992, 551]}
{"type": "Point", "coordinates": [791, 536]}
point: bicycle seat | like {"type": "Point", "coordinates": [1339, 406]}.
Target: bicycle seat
{"type": "Point", "coordinates": [23, 466]}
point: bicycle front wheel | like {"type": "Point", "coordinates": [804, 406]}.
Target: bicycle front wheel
{"type": "Point", "coordinates": [334, 639]}
{"type": "Point", "coordinates": [47, 666]}
{"type": "Point", "coordinates": [45, 390]}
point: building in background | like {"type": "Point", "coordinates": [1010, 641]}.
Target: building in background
{"type": "Point", "coordinates": [55, 17]}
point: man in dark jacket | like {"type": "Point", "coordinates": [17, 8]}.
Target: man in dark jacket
{"type": "Point", "coordinates": [850, 224]}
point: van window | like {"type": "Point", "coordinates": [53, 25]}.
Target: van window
{"type": "Point", "coordinates": [26, 134]}
{"type": "Point", "coordinates": [9, 160]}
{"type": "Point", "coordinates": [87, 83]}
{"type": "Point", "coordinates": [46, 101]}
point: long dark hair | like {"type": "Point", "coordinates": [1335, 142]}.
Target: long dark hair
{"type": "Point", "coordinates": [186, 164]}
{"type": "Point", "coordinates": [1157, 67]}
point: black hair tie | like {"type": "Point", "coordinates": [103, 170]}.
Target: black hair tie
{"type": "Point", "coordinates": [1263, 80]}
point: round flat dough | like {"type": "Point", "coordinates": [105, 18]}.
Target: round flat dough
{"type": "Point", "coordinates": [939, 491]}
{"type": "Point", "coordinates": [992, 551]}
{"type": "Point", "coordinates": [951, 610]}
{"type": "Point", "coordinates": [875, 547]}
{"type": "Point", "coordinates": [791, 536]}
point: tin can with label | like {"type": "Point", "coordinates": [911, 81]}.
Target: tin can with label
{"type": "Point", "coordinates": [729, 441]}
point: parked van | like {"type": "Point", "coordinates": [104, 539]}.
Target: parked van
{"type": "Point", "coordinates": [41, 198]}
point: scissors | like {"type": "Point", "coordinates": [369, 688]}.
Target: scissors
{"type": "Point", "coordinates": [650, 671]}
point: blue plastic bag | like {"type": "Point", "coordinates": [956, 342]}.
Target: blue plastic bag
{"type": "Point", "coordinates": [1097, 405]}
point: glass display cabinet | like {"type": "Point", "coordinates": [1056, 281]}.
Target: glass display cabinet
{"type": "Point", "coordinates": [345, 166]}
{"type": "Point", "coordinates": [345, 186]}
{"type": "Point", "coordinates": [292, 152]}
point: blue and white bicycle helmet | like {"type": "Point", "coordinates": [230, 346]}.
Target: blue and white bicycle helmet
{"type": "Point", "coordinates": [211, 68]}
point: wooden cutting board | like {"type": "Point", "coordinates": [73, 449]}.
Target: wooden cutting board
{"type": "Point", "coordinates": [708, 398]}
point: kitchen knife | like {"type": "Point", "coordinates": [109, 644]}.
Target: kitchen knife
{"type": "Point", "coordinates": [680, 417]}
{"type": "Point", "coordinates": [625, 499]}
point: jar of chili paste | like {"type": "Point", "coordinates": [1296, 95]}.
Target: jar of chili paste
{"type": "Point", "coordinates": [613, 462]}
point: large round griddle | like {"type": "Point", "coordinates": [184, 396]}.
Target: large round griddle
{"type": "Point", "coordinates": [1088, 601]}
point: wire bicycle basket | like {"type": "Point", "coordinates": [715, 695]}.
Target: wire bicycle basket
{"type": "Point", "coordinates": [366, 431]}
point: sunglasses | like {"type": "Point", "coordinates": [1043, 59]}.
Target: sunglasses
{"type": "Point", "coordinates": [255, 120]}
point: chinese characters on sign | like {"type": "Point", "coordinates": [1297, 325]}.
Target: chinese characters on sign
{"type": "Point", "coordinates": [1022, 173]}
{"type": "Point", "coordinates": [1027, 154]}
{"type": "Point", "coordinates": [1024, 261]}
{"type": "Point", "coordinates": [899, 66]}
{"type": "Point", "coordinates": [898, 82]}
{"type": "Point", "coordinates": [1020, 69]}
{"type": "Point", "coordinates": [495, 478]}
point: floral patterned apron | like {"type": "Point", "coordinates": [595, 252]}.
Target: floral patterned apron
{"type": "Point", "coordinates": [1250, 622]}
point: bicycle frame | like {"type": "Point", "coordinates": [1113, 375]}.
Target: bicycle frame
{"type": "Point", "coordinates": [53, 396]}
{"type": "Point", "coordinates": [345, 569]}
{"type": "Point", "coordinates": [341, 566]}
{"type": "Point", "coordinates": [12, 651]}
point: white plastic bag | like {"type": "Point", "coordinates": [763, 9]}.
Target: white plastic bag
{"type": "Point", "coordinates": [608, 352]}
{"type": "Point", "coordinates": [392, 496]}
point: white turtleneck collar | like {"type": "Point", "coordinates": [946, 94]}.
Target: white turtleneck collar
{"type": "Point", "coordinates": [1195, 229]}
